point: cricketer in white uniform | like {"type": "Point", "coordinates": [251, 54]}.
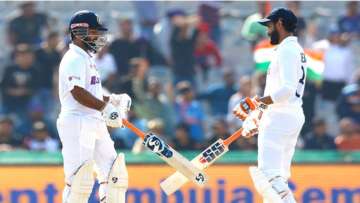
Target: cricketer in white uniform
{"type": "Point", "coordinates": [283, 119]}
{"type": "Point", "coordinates": [84, 117]}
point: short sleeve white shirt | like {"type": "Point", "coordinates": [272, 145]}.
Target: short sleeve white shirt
{"type": "Point", "coordinates": [78, 68]}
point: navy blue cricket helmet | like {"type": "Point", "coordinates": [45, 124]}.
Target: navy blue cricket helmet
{"type": "Point", "coordinates": [80, 24]}
{"type": "Point", "coordinates": [287, 16]}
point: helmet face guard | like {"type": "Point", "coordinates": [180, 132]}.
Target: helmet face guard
{"type": "Point", "coordinates": [82, 32]}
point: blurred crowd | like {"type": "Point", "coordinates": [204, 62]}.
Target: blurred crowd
{"type": "Point", "coordinates": [175, 72]}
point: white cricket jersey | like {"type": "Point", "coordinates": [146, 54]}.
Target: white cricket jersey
{"type": "Point", "coordinates": [77, 68]}
{"type": "Point", "coordinates": [286, 76]}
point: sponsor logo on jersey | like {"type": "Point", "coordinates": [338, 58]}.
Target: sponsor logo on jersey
{"type": "Point", "coordinates": [94, 80]}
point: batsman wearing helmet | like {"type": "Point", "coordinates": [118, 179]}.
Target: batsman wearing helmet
{"type": "Point", "coordinates": [283, 119]}
{"type": "Point", "coordinates": [85, 115]}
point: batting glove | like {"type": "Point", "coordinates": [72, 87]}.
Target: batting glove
{"type": "Point", "coordinates": [250, 126]}
{"type": "Point", "coordinates": [121, 101]}
{"type": "Point", "coordinates": [113, 117]}
{"type": "Point", "coordinates": [246, 106]}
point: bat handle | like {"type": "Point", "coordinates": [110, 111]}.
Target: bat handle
{"type": "Point", "coordinates": [233, 137]}
{"type": "Point", "coordinates": [237, 134]}
{"type": "Point", "coordinates": [133, 128]}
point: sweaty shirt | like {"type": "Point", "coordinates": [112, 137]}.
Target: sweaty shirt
{"type": "Point", "coordinates": [77, 68]}
{"type": "Point", "coordinates": [286, 76]}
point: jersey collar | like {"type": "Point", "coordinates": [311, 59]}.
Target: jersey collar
{"type": "Point", "coordinates": [79, 50]}
{"type": "Point", "coordinates": [288, 39]}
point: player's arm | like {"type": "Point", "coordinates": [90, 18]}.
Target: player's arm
{"type": "Point", "coordinates": [266, 100]}
{"type": "Point", "coordinates": [289, 62]}
{"type": "Point", "coordinates": [74, 79]}
{"type": "Point", "coordinates": [85, 98]}
{"type": "Point", "coordinates": [106, 98]}
{"type": "Point", "coordinates": [111, 114]}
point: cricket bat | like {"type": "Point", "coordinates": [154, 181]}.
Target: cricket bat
{"type": "Point", "coordinates": [183, 166]}
{"type": "Point", "coordinates": [203, 160]}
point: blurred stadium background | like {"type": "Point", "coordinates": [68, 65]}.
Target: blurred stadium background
{"type": "Point", "coordinates": [185, 64]}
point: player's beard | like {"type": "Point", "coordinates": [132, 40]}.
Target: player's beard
{"type": "Point", "coordinates": [274, 37]}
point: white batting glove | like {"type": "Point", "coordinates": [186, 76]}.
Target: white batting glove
{"type": "Point", "coordinates": [113, 117]}
{"type": "Point", "coordinates": [121, 101]}
{"type": "Point", "coordinates": [250, 126]}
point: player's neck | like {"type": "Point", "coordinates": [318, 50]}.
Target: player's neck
{"type": "Point", "coordinates": [284, 36]}
{"type": "Point", "coordinates": [82, 46]}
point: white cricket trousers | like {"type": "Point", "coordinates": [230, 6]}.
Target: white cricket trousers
{"type": "Point", "coordinates": [278, 134]}
{"type": "Point", "coordinates": [85, 138]}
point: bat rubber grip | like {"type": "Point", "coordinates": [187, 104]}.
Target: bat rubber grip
{"type": "Point", "coordinates": [233, 137]}
{"type": "Point", "coordinates": [133, 128]}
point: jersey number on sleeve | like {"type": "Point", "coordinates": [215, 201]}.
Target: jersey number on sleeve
{"type": "Point", "coordinates": [300, 88]}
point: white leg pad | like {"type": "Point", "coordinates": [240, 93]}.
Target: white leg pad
{"type": "Point", "coordinates": [117, 182]}
{"type": "Point", "coordinates": [280, 185]}
{"type": "Point", "coordinates": [82, 184]}
{"type": "Point", "coordinates": [264, 187]}
{"type": "Point", "coordinates": [66, 193]}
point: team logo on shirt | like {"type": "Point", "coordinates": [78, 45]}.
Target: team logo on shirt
{"type": "Point", "coordinates": [94, 80]}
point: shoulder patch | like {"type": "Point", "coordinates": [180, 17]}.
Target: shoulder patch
{"type": "Point", "coordinates": [73, 77]}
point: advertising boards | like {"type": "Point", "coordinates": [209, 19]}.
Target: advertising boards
{"type": "Point", "coordinates": [333, 183]}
